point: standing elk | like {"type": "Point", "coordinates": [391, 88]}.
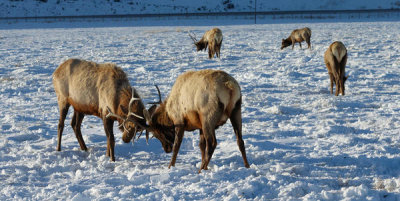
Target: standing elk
{"type": "Point", "coordinates": [102, 90]}
{"type": "Point", "coordinates": [297, 36]}
{"type": "Point", "coordinates": [201, 100]}
{"type": "Point", "coordinates": [213, 39]}
{"type": "Point", "coordinates": [335, 60]}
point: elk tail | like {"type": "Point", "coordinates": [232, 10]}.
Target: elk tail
{"type": "Point", "coordinates": [338, 54]}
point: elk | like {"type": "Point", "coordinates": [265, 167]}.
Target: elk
{"type": "Point", "coordinates": [297, 36]}
{"type": "Point", "coordinates": [213, 39]}
{"type": "Point", "coordinates": [201, 100]}
{"type": "Point", "coordinates": [102, 90]}
{"type": "Point", "coordinates": [335, 58]}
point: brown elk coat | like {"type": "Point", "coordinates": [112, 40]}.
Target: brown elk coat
{"type": "Point", "coordinates": [335, 58]}
{"type": "Point", "coordinates": [91, 88]}
{"type": "Point", "coordinates": [213, 39]}
{"type": "Point", "coordinates": [201, 100]}
{"type": "Point", "coordinates": [298, 36]}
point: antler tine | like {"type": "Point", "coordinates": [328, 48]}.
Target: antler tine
{"type": "Point", "coordinates": [147, 136]}
{"type": "Point", "coordinates": [130, 105]}
{"type": "Point", "coordinates": [159, 93]}
{"type": "Point", "coordinates": [132, 99]}
{"type": "Point", "coordinates": [135, 115]}
{"type": "Point", "coordinates": [137, 122]}
{"type": "Point", "coordinates": [134, 135]}
{"type": "Point", "coordinates": [111, 114]}
{"type": "Point", "coordinates": [159, 96]}
{"type": "Point", "coordinates": [140, 134]}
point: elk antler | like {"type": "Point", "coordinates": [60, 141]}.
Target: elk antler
{"type": "Point", "coordinates": [130, 104]}
{"type": "Point", "coordinates": [138, 123]}
{"type": "Point", "coordinates": [192, 36]}
{"type": "Point", "coordinates": [159, 96]}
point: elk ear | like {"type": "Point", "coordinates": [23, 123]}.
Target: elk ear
{"type": "Point", "coordinates": [146, 116]}
{"type": "Point", "coordinates": [123, 109]}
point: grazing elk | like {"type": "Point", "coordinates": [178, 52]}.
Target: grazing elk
{"type": "Point", "coordinates": [102, 90]}
{"type": "Point", "coordinates": [297, 36]}
{"type": "Point", "coordinates": [201, 100]}
{"type": "Point", "coordinates": [335, 60]}
{"type": "Point", "coordinates": [213, 39]}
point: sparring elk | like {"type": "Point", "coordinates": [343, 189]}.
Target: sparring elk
{"type": "Point", "coordinates": [102, 90]}
{"type": "Point", "coordinates": [335, 60]}
{"type": "Point", "coordinates": [213, 39]}
{"type": "Point", "coordinates": [298, 36]}
{"type": "Point", "coordinates": [201, 100]}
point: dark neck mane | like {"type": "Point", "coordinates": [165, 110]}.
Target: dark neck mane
{"type": "Point", "coordinates": [288, 40]}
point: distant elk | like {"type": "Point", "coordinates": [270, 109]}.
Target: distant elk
{"type": "Point", "coordinates": [201, 100]}
{"type": "Point", "coordinates": [102, 90]}
{"type": "Point", "coordinates": [213, 39]}
{"type": "Point", "coordinates": [335, 60]}
{"type": "Point", "coordinates": [298, 36]}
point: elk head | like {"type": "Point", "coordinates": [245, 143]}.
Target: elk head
{"type": "Point", "coordinates": [128, 126]}
{"type": "Point", "coordinates": [160, 124]}
{"type": "Point", "coordinates": [156, 121]}
{"type": "Point", "coordinates": [199, 45]}
{"type": "Point", "coordinates": [286, 43]}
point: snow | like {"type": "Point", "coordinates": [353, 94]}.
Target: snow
{"type": "Point", "coordinates": [302, 142]}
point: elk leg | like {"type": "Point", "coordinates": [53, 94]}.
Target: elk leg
{"type": "Point", "coordinates": [338, 85]}
{"type": "Point", "coordinates": [300, 45]}
{"type": "Point", "coordinates": [108, 127]}
{"type": "Point", "coordinates": [308, 43]}
{"type": "Point", "coordinates": [211, 49]}
{"type": "Point", "coordinates": [236, 120]}
{"type": "Point", "coordinates": [211, 144]}
{"type": "Point", "coordinates": [202, 145]}
{"type": "Point", "coordinates": [210, 53]}
{"type": "Point", "coordinates": [63, 115]}
{"type": "Point", "coordinates": [218, 50]}
{"type": "Point", "coordinates": [332, 80]}
{"type": "Point", "coordinates": [343, 72]}
{"type": "Point", "coordinates": [76, 125]}
{"type": "Point", "coordinates": [179, 130]}
{"type": "Point", "coordinates": [208, 128]}
{"type": "Point", "coordinates": [293, 42]}
{"type": "Point", "coordinates": [342, 85]}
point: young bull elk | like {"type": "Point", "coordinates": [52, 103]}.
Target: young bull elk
{"type": "Point", "coordinates": [102, 90]}
{"type": "Point", "coordinates": [201, 100]}
{"type": "Point", "coordinates": [298, 36]}
{"type": "Point", "coordinates": [335, 60]}
{"type": "Point", "coordinates": [213, 39]}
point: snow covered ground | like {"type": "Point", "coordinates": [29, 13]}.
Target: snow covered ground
{"type": "Point", "coordinates": [302, 142]}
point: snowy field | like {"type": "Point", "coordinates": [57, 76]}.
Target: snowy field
{"type": "Point", "coordinates": [302, 142]}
